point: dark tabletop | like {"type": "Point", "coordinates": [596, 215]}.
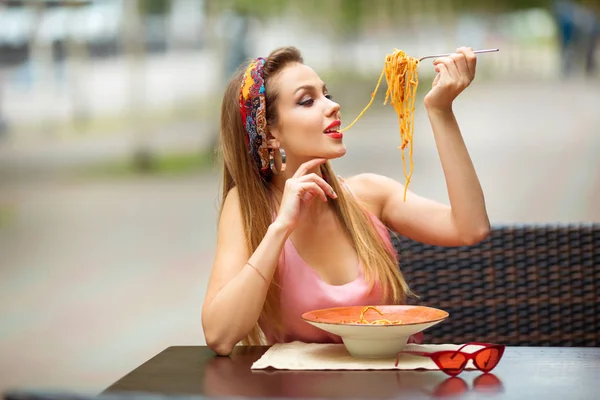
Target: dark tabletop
{"type": "Point", "coordinates": [523, 373]}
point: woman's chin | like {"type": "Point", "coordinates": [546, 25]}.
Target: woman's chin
{"type": "Point", "coordinates": [340, 151]}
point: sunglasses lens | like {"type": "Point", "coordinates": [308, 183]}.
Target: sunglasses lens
{"type": "Point", "coordinates": [452, 362]}
{"type": "Point", "coordinates": [487, 359]}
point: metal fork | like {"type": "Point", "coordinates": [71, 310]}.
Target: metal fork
{"type": "Point", "coordinates": [449, 54]}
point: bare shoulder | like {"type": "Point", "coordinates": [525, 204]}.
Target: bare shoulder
{"type": "Point", "coordinates": [369, 185]}
{"type": "Point", "coordinates": [372, 190]}
{"type": "Point", "coordinates": [231, 205]}
{"type": "Point", "coordinates": [230, 221]}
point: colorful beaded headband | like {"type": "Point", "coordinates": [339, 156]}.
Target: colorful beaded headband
{"type": "Point", "coordinates": [253, 111]}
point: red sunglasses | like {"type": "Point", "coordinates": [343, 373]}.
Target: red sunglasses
{"type": "Point", "coordinates": [453, 362]}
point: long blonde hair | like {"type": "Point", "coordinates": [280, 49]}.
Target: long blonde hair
{"type": "Point", "coordinates": [256, 207]}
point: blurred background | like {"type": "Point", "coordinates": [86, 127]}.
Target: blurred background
{"type": "Point", "coordinates": [109, 114]}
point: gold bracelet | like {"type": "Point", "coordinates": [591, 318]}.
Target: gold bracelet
{"type": "Point", "coordinates": [258, 272]}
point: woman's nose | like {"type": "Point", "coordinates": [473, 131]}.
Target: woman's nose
{"type": "Point", "coordinates": [333, 108]}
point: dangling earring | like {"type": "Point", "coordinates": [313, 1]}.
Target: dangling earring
{"type": "Point", "coordinates": [272, 161]}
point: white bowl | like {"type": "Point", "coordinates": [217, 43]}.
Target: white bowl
{"type": "Point", "coordinates": [375, 341]}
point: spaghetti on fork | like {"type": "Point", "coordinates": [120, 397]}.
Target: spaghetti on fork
{"type": "Point", "coordinates": [402, 79]}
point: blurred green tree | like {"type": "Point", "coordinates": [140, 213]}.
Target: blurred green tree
{"type": "Point", "coordinates": [154, 7]}
{"type": "Point", "coordinates": [251, 8]}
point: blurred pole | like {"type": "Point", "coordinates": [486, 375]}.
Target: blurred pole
{"type": "Point", "coordinates": [335, 55]}
{"type": "Point", "coordinates": [3, 123]}
{"type": "Point", "coordinates": [216, 46]}
{"type": "Point", "coordinates": [40, 64]}
{"type": "Point", "coordinates": [215, 42]}
{"type": "Point", "coordinates": [135, 55]}
{"type": "Point", "coordinates": [77, 63]}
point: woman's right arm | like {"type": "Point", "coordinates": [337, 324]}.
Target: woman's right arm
{"type": "Point", "coordinates": [236, 291]}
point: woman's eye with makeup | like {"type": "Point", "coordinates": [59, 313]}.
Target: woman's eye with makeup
{"type": "Point", "coordinates": [307, 102]}
{"type": "Point", "coordinates": [329, 97]}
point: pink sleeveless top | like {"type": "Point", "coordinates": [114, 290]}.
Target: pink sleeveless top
{"type": "Point", "coordinates": [303, 290]}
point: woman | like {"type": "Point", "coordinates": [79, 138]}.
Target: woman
{"type": "Point", "coordinates": [294, 237]}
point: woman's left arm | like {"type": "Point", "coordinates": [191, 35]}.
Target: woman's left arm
{"type": "Point", "coordinates": [467, 213]}
{"type": "Point", "coordinates": [465, 221]}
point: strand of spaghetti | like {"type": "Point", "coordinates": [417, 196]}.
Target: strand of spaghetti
{"type": "Point", "coordinates": [382, 321]}
{"type": "Point", "coordinates": [408, 123]}
{"type": "Point", "coordinates": [370, 102]}
{"type": "Point", "coordinates": [413, 96]}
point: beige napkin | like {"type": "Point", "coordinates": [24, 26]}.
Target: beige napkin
{"type": "Point", "coordinates": [316, 356]}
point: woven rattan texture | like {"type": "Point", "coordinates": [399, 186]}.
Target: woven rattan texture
{"type": "Point", "coordinates": [522, 286]}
